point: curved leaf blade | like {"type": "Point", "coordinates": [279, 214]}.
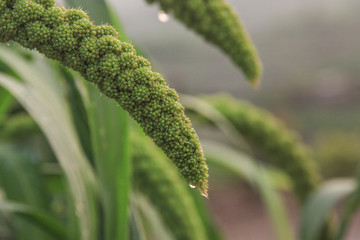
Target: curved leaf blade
{"type": "Point", "coordinates": [320, 204]}
{"type": "Point", "coordinates": [259, 177]}
{"type": "Point", "coordinates": [40, 94]}
{"type": "Point", "coordinates": [205, 109]}
{"type": "Point", "coordinates": [109, 129]}
{"type": "Point", "coordinates": [349, 211]}
{"type": "Point", "coordinates": [37, 217]}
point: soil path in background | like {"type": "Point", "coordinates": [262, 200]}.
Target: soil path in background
{"type": "Point", "coordinates": [238, 210]}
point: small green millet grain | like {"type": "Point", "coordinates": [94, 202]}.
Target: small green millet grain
{"type": "Point", "coordinates": [67, 35]}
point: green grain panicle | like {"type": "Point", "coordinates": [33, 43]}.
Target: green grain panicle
{"type": "Point", "coordinates": [67, 35]}
{"type": "Point", "coordinates": [158, 180]}
{"type": "Point", "coordinates": [216, 21]}
{"type": "Point", "coordinates": [278, 145]}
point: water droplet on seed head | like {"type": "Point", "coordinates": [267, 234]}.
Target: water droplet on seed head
{"type": "Point", "coordinates": [163, 17]}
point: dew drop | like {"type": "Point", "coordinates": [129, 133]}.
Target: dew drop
{"type": "Point", "coordinates": [192, 186]}
{"type": "Point", "coordinates": [204, 195]}
{"type": "Point", "coordinates": [163, 17]}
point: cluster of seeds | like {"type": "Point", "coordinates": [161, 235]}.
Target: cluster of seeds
{"type": "Point", "coordinates": [220, 25]}
{"type": "Point", "coordinates": [157, 179]}
{"type": "Point", "coordinates": [277, 144]}
{"type": "Point", "coordinates": [113, 66]}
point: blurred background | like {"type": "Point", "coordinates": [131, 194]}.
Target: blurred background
{"type": "Point", "coordinates": [310, 53]}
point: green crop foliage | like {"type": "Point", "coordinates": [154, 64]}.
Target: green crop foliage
{"type": "Point", "coordinates": [219, 24]}
{"type": "Point", "coordinates": [279, 145]}
{"type": "Point", "coordinates": [113, 66]}
{"type": "Point", "coordinates": [334, 147]}
{"type": "Point", "coordinates": [18, 126]}
{"type": "Point", "coordinates": [73, 181]}
{"type": "Point", "coordinates": [158, 180]}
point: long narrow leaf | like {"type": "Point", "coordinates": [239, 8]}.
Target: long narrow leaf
{"type": "Point", "coordinates": [18, 126]}
{"type": "Point", "coordinates": [109, 127]}
{"type": "Point", "coordinates": [320, 205]}
{"type": "Point", "coordinates": [21, 181]}
{"type": "Point", "coordinates": [37, 217]}
{"type": "Point", "coordinates": [137, 231]}
{"type": "Point", "coordinates": [6, 101]}
{"type": "Point", "coordinates": [78, 111]}
{"type": "Point", "coordinates": [110, 135]}
{"type": "Point", "coordinates": [258, 177]}
{"type": "Point", "coordinates": [350, 208]}
{"type": "Point", "coordinates": [153, 218]}
{"type": "Point", "coordinates": [243, 165]}
{"type": "Point", "coordinates": [212, 231]}
{"type": "Point", "coordinates": [41, 95]}
{"type": "Point", "coordinates": [220, 121]}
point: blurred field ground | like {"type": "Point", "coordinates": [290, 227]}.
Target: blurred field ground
{"type": "Point", "coordinates": [311, 54]}
{"type": "Point", "coordinates": [241, 215]}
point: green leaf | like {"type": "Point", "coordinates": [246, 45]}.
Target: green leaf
{"type": "Point", "coordinates": [243, 165]}
{"type": "Point", "coordinates": [77, 107]}
{"type": "Point", "coordinates": [259, 177]}
{"type": "Point", "coordinates": [320, 204]}
{"type": "Point", "coordinates": [152, 218]}
{"type": "Point", "coordinates": [212, 231]}
{"type": "Point", "coordinates": [37, 217]}
{"type": "Point", "coordinates": [137, 231]}
{"type": "Point", "coordinates": [21, 181]}
{"type": "Point", "coordinates": [350, 208]}
{"type": "Point", "coordinates": [220, 121]}
{"type": "Point", "coordinates": [20, 177]}
{"type": "Point", "coordinates": [18, 126]}
{"type": "Point", "coordinates": [109, 129]}
{"type": "Point", "coordinates": [274, 205]}
{"type": "Point", "coordinates": [6, 101]}
{"type": "Point", "coordinates": [41, 95]}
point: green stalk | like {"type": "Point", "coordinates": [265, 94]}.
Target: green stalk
{"type": "Point", "coordinates": [39, 91]}
{"type": "Point", "coordinates": [109, 127]}
{"type": "Point", "coordinates": [110, 135]}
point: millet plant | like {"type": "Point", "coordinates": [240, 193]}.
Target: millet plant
{"type": "Point", "coordinates": [90, 106]}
